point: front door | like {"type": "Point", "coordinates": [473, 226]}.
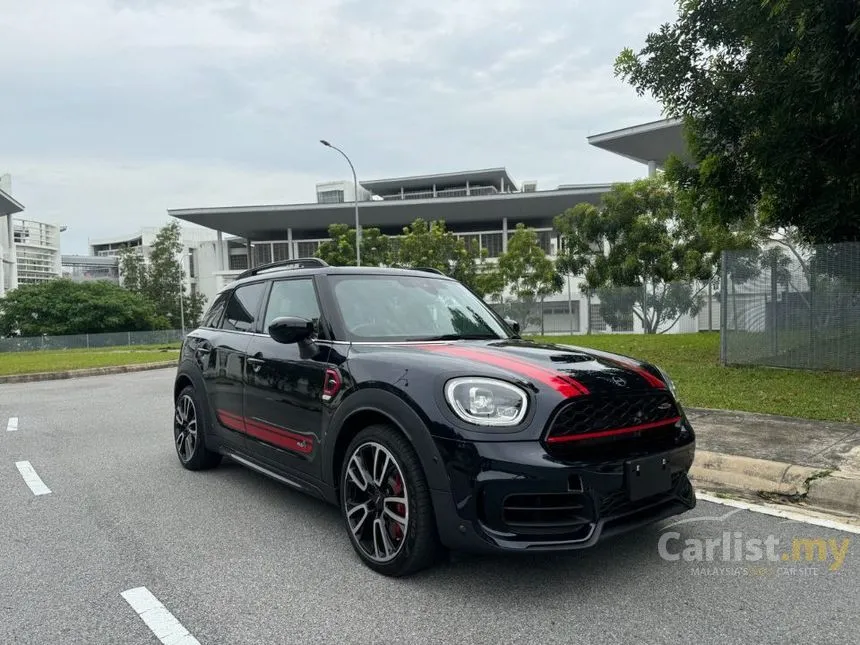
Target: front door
{"type": "Point", "coordinates": [284, 385]}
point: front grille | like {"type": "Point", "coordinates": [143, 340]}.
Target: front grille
{"type": "Point", "coordinates": [548, 512]}
{"type": "Point", "coordinates": [595, 414]}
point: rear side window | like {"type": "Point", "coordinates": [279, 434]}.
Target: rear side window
{"type": "Point", "coordinates": [213, 316]}
{"type": "Point", "coordinates": [292, 298]}
{"type": "Point", "coordinates": [242, 308]}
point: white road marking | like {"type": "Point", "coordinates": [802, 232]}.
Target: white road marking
{"type": "Point", "coordinates": [12, 426]}
{"type": "Point", "coordinates": [162, 623]}
{"type": "Point", "coordinates": [31, 478]}
{"type": "Point", "coordinates": [775, 511]}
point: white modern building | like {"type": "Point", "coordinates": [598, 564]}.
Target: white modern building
{"type": "Point", "coordinates": [483, 206]}
{"type": "Point", "coordinates": [85, 268]}
{"type": "Point", "coordinates": [141, 241]}
{"type": "Point", "coordinates": [29, 249]}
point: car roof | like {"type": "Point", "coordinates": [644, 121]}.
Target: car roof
{"type": "Point", "coordinates": [296, 271]}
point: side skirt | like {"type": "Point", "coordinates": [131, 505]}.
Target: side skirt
{"type": "Point", "coordinates": [316, 489]}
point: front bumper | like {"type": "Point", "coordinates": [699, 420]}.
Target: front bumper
{"type": "Point", "coordinates": [514, 496]}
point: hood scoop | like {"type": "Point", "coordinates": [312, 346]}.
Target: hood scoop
{"type": "Point", "coordinates": [571, 358]}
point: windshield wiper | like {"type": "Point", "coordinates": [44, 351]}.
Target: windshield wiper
{"type": "Point", "coordinates": [457, 337]}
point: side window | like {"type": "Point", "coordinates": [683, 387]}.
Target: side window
{"type": "Point", "coordinates": [242, 307]}
{"type": "Point", "coordinates": [292, 298]}
{"type": "Point", "coordinates": [213, 316]}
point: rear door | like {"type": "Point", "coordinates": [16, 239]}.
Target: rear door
{"type": "Point", "coordinates": [284, 384]}
{"type": "Point", "coordinates": [225, 356]}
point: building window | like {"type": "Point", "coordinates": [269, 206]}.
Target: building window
{"type": "Point", "coordinates": [262, 254]}
{"type": "Point", "coordinates": [330, 197]}
{"type": "Point", "coordinates": [280, 251]}
{"type": "Point", "coordinates": [472, 241]}
{"type": "Point", "coordinates": [544, 240]}
{"type": "Point", "coordinates": [625, 323]}
{"type": "Point", "coordinates": [238, 262]}
{"type": "Point", "coordinates": [307, 249]}
{"type": "Point", "coordinates": [493, 243]}
{"type": "Point", "coordinates": [191, 262]}
{"type": "Point", "coordinates": [596, 320]}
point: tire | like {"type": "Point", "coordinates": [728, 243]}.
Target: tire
{"type": "Point", "coordinates": [189, 432]}
{"type": "Point", "coordinates": [374, 524]}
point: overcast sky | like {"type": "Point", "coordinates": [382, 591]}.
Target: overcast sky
{"type": "Point", "coordinates": [112, 111]}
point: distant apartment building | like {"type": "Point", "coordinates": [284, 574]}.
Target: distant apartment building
{"type": "Point", "coordinates": [29, 249]}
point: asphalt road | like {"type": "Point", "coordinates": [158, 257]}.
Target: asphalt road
{"type": "Point", "coordinates": [237, 558]}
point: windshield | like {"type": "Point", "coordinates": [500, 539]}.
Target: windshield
{"type": "Point", "coordinates": [403, 308]}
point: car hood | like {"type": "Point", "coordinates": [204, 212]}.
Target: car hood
{"type": "Point", "coordinates": [570, 370]}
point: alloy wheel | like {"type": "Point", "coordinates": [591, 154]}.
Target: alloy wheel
{"type": "Point", "coordinates": [185, 427]}
{"type": "Point", "coordinates": [376, 502]}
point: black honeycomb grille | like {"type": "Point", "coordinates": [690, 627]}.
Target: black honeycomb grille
{"type": "Point", "coordinates": [592, 414]}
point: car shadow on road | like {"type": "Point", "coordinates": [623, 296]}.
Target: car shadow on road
{"type": "Point", "coordinates": [622, 558]}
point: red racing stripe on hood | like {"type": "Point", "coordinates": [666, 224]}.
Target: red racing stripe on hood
{"type": "Point", "coordinates": [561, 383]}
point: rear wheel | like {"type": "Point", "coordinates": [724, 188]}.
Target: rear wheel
{"type": "Point", "coordinates": [189, 432]}
{"type": "Point", "coordinates": [386, 503]}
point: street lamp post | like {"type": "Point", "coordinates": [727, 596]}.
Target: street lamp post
{"type": "Point", "coordinates": [355, 181]}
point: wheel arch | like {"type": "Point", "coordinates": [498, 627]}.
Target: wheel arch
{"type": "Point", "coordinates": [370, 407]}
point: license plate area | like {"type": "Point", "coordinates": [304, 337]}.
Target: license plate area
{"type": "Point", "coordinates": [647, 476]}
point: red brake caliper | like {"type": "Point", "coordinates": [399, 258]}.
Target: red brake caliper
{"type": "Point", "coordinates": [397, 488]}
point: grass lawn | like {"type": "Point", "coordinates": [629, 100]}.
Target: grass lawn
{"type": "Point", "coordinates": [692, 360]}
{"type": "Point", "coordinates": [72, 359]}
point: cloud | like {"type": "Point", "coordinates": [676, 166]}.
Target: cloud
{"type": "Point", "coordinates": [241, 90]}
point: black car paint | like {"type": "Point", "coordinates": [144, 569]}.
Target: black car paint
{"type": "Point", "coordinates": [469, 469]}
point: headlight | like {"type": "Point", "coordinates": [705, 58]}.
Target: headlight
{"type": "Point", "coordinates": [669, 382]}
{"type": "Point", "coordinates": [486, 401]}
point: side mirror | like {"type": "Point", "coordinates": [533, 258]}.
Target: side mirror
{"type": "Point", "coordinates": [290, 329]}
{"type": "Point", "coordinates": [513, 324]}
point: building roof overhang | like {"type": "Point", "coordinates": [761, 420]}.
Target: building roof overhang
{"type": "Point", "coordinates": [489, 176]}
{"type": "Point", "coordinates": [8, 204]}
{"type": "Point", "coordinates": [272, 221]}
{"type": "Point", "coordinates": [655, 141]}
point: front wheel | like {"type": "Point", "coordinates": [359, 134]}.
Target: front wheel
{"type": "Point", "coordinates": [386, 503]}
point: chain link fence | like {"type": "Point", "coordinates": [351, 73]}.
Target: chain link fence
{"type": "Point", "coordinates": [90, 341]}
{"type": "Point", "coordinates": [792, 307]}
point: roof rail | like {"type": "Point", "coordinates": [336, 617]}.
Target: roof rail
{"type": "Point", "coordinates": [298, 263]}
{"type": "Point", "coordinates": [427, 270]}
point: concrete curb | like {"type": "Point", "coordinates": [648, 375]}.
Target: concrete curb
{"type": "Point", "coordinates": [838, 491]}
{"type": "Point", "coordinates": [823, 489]}
{"type": "Point", "coordinates": [92, 371]}
{"type": "Point", "coordinates": [750, 474]}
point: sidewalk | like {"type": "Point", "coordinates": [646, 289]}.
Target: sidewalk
{"type": "Point", "coordinates": [813, 462]}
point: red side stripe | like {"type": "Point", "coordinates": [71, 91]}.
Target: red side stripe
{"type": "Point", "coordinates": [232, 421]}
{"type": "Point", "coordinates": [609, 433]}
{"type": "Point", "coordinates": [564, 385]}
{"type": "Point", "coordinates": [279, 436]}
{"type": "Point", "coordinates": [275, 435]}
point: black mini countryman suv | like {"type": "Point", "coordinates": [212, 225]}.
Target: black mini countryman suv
{"type": "Point", "coordinates": [401, 397]}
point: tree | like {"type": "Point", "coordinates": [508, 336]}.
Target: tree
{"type": "Point", "coordinates": [61, 307]}
{"type": "Point", "coordinates": [160, 278]}
{"type": "Point", "coordinates": [529, 273]}
{"type": "Point", "coordinates": [431, 245]}
{"type": "Point", "coordinates": [642, 251]}
{"type": "Point", "coordinates": [340, 249]}
{"type": "Point", "coordinates": [770, 92]}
